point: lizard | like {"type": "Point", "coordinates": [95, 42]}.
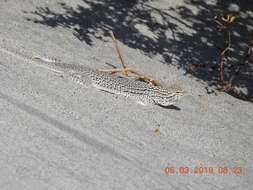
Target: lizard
{"type": "Point", "coordinates": [142, 92]}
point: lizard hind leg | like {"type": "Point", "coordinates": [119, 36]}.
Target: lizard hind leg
{"type": "Point", "coordinates": [81, 79]}
{"type": "Point", "coordinates": [141, 103]}
{"type": "Point", "coordinates": [47, 60]}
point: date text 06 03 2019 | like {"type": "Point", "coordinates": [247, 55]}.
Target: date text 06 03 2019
{"type": "Point", "coordinates": [223, 170]}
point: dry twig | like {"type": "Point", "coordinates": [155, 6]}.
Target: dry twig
{"type": "Point", "coordinates": [125, 71]}
{"type": "Point", "coordinates": [117, 49]}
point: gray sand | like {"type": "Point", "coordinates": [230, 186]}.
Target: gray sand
{"type": "Point", "coordinates": [54, 134]}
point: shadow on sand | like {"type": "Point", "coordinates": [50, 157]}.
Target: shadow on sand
{"type": "Point", "coordinates": [181, 36]}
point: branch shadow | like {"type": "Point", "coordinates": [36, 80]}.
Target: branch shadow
{"type": "Point", "coordinates": [183, 35]}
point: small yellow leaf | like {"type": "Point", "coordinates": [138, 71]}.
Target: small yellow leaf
{"type": "Point", "coordinates": [228, 18]}
{"type": "Point", "coordinates": [232, 19]}
{"type": "Point", "coordinates": [157, 130]}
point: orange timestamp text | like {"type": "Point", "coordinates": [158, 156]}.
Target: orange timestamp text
{"type": "Point", "coordinates": [222, 170]}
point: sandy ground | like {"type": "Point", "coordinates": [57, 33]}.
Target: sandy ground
{"type": "Point", "coordinates": [55, 134]}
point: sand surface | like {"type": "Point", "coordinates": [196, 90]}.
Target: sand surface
{"type": "Point", "coordinates": [54, 134]}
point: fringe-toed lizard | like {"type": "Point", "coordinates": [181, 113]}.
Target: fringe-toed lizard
{"type": "Point", "coordinates": [142, 92]}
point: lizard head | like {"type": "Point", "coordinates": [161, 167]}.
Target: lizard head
{"type": "Point", "coordinates": [168, 96]}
